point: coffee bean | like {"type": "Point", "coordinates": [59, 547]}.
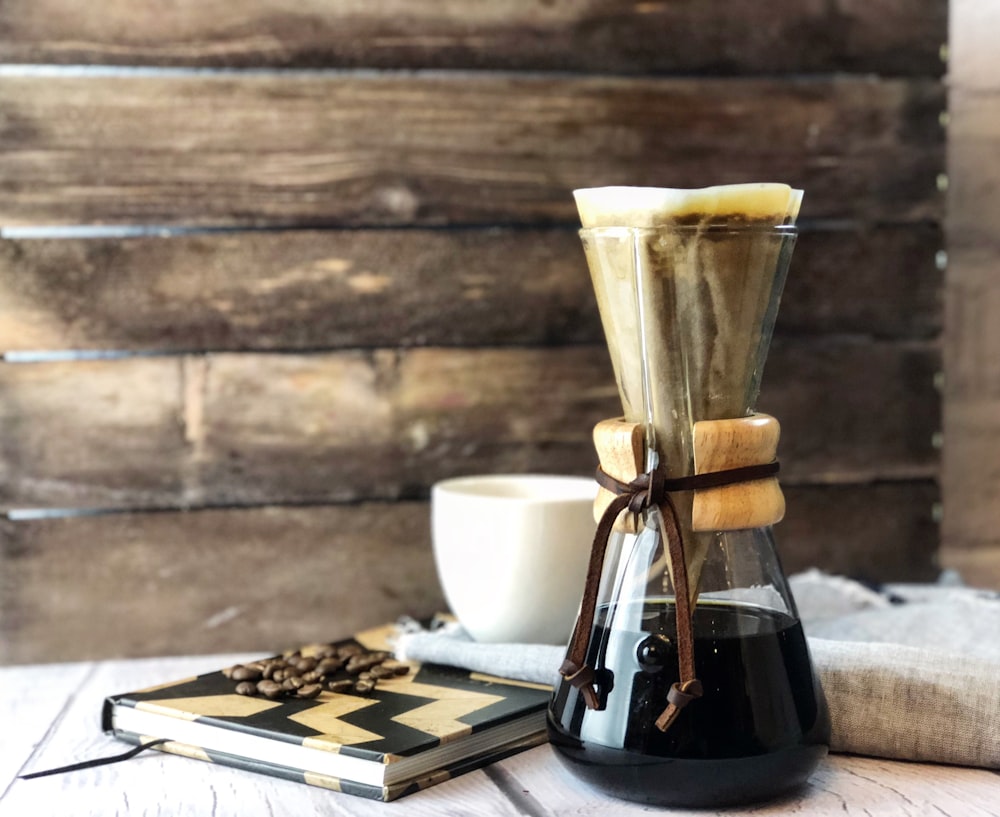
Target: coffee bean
{"type": "Point", "coordinates": [270, 689]}
{"type": "Point", "coordinates": [328, 666]}
{"type": "Point", "coordinates": [359, 663]}
{"type": "Point", "coordinates": [242, 673]}
{"type": "Point", "coordinates": [293, 672]}
{"type": "Point", "coordinates": [364, 687]}
{"type": "Point", "coordinates": [309, 691]}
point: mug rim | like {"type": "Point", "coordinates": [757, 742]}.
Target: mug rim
{"type": "Point", "coordinates": [549, 487]}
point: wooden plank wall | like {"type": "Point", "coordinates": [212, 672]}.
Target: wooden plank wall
{"type": "Point", "coordinates": [971, 465]}
{"type": "Point", "coordinates": [269, 269]}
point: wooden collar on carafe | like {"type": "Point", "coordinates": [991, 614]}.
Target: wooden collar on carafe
{"type": "Point", "coordinates": [736, 487]}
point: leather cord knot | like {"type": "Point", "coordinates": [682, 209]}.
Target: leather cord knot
{"type": "Point", "coordinates": [643, 492]}
{"type": "Point", "coordinates": [679, 696]}
{"type": "Point", "coordinates": [583, 679]}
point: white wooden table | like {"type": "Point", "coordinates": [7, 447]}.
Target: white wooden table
{"type": "Point", "coordinates": [49, 716]}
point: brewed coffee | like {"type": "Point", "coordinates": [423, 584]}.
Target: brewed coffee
{"type": "Point", "coordinates": [759, 728]}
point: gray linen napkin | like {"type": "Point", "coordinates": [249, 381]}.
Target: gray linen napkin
{"type": "Point", "coordinates": [909, 671]}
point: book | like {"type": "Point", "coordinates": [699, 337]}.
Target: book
{"type": "Point", "coordinates": [421, 724]}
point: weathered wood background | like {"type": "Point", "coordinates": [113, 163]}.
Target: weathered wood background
{"type": "Point", "coordinates": [971, 465]}
{"type": "Point", "coordinates": [268, 270]}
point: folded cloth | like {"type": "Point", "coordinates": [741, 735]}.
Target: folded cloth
{"type": "Point", "coordinates": [934, 617]}
{"type": "Point", "coordinates": [908, 703]}
{"type": "Point", "coordinates": [909, 671]}
{"type": "Point", "coordinates": [451, 645]}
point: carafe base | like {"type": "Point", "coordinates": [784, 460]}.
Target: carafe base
{"type": "Point", "coordinates": [687, 783]}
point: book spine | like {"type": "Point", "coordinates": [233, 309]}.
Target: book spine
{"type": "Point", "coordinates": [270, 769]}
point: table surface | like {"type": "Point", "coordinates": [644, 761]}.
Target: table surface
{"type": "Point", "coordinates": [50, 717]}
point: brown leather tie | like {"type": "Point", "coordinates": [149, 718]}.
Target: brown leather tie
{"type": "Point", "coordinates": [647, 491]}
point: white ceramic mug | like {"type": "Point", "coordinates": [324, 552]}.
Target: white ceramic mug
{"type": "Point", "coordinates": [511, 552]}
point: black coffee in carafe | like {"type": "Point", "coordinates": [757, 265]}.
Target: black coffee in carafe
{"type": "Point", "coordinates": [759, 726]}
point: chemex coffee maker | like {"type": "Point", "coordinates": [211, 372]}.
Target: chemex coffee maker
{"type": "Point", "coordinates": [688, 681]}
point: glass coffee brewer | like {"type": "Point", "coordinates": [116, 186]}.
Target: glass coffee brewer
{"type": "Point", "coordinates": [688, 681]}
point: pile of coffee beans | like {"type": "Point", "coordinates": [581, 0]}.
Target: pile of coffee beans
{"type": "Point", "coordinates": [347, 668]}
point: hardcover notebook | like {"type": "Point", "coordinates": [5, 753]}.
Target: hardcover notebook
{"type": "Point", "coordinates": [411, 731]}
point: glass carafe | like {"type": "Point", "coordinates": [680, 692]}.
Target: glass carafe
{"type": "Point", "coordinates": [688, 312]}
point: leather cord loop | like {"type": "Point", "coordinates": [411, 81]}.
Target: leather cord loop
{"type": "Point", "coordinates": [657, 486]}
{"type": "Point", "coordinates": [576, 654]}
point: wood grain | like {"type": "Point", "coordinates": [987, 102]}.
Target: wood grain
{"type": "Point", "coordinates": [266, 578]}
{"type": "Point", "coordinates": [884, 531]}
{"type": "Point", "coordinates": [973, 338]}
{"type": "Point", "coordinates": [970, 471]}
{"type": "Point", "coordinates": [971, 53]}
{"type": "Point", "coordinates": [843, 785]}
{"type": "Point", "coordinates": [374, 391]}
{"type": "Point", "coordinates": [978, 563]}
{"type": "Point", "coordinates": [877, 36]}
{"type": "Point", "coordinates": [324, 289]}
{"type": "Point", "coordinates": [40, 701]}
{"type": "Point", "coordinates": [974, 174]}
{"type": "Point", "coordinates": [533, 782]}
{"type": "Point", "coordinates": [621, 452]}
{"type": "Point", "coordinates": [120, 437]}
{"type": "Point", "coordinates": [883, 282]}
{"type": "Point", "coordinates": [249, 429]}
{"type": "Point", "coordinates": [719, 445]}
{"type": "Point", "coordinates": [307, 149]}
{"type": "Point", "coordinates": [297, 290]}
{"type": "Point", "coordinates": [175, 583]}
{"type": "Point", "coordinates": [890, 389]}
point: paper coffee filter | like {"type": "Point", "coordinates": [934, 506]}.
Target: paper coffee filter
{"type": "Point", "coordinates": [661, 206]}
{"type": "Point", "coordinates": [717, 340]}
{"type": "Point", "coordinates": [794, 203]}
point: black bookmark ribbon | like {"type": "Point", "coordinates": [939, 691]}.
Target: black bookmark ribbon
{"type": "Point", "coordinates": [100, 761]}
